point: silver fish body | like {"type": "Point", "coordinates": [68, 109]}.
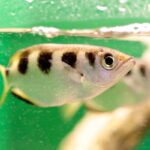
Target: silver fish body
{"type": "Point", "coordinates": [55, 74]}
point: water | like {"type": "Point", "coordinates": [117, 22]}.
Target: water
{"type": "Point", "coordinates": [28, 127]}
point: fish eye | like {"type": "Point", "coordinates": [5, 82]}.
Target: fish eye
{"type": "Point", "coordinates": [108, 61]}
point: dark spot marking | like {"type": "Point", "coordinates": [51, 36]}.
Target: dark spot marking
{"type": "Point", "coordinates": [7, 72]}
{"type": "Point", "coordinates": [91, 58]}
{"type": "Point", "coordinates": [21, 98]}
{"type": "Point", "coordinates": [69, 58]}
{"type": "Point", "coordinates": [142, 70]}
{"type": "Point", "coordinates": [23, 63]}
{"type": "Point", "coordinates": [129, 73]}
{"type": "Point", "coordinates": [44, 61]}
{"type": "Point", "coordinates": [81, 74]}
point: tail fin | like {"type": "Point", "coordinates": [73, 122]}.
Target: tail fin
{"type": "Point", "coordinates": [5, 85]}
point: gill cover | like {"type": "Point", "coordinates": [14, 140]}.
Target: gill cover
{"type": "Point", "coordinates": [5, 85]}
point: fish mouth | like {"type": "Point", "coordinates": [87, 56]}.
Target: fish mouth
{"type": "Point", "coordinates": [122, 69]}
{"type": "Point", "coordinates": [129, 63]}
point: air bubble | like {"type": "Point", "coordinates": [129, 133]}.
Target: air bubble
{"type": "Point", "coordinates": [29, 1]}
{"type": "Point", "coordinates": [101, 8]}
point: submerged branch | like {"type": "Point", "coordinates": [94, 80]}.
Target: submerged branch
{"type": "Point", "coordinates": [15, 30]}
{"type": "Point", "coordinates": [102, 32]}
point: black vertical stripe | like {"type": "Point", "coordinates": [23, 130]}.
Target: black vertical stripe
{"type": "Point", "coordinates": [70, 58]}
{"type": "Point", "coordinates": [142, 70]}
{"type": "Point", "coordinates": [129, 73]}
{"type": "Point", "coordinates": [23, 62]}
{"type": "Point", "coordinates": [7, 72]}
{"type": "Point", "coordinates": [91, 58]}
{"type": "Point", "coordinates": [44, 61]}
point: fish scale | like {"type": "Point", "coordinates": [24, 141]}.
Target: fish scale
{"type": "Point", "coordinates": [55, 74]}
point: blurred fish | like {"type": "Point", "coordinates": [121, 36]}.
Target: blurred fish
{"type": "Point", "coordinates": [55, 74]}
{"type": "Point", "coordinates": [139, 77]}
{"type": "Point", "coordinates": [121, 129]}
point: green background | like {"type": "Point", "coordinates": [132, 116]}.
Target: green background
{"type": "Point", "coordinates": [23, 126]}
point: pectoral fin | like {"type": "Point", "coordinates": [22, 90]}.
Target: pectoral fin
{"type": "Point", "coordinates": [69, 110]}
{"type": "Point", "coordinates": [20, 95]}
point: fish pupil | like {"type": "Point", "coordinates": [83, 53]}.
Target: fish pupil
{"type": "Point", "coordinates": [108, 59]}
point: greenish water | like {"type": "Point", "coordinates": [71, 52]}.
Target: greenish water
{"type": "Point", "coordinates": [23, 126]}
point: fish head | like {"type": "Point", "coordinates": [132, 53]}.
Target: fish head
{"type": "Point", "coordinates": [113, 65]}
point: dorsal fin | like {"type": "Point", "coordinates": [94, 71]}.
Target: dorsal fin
{"type": "Point", "coordinates": [15, 56]}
